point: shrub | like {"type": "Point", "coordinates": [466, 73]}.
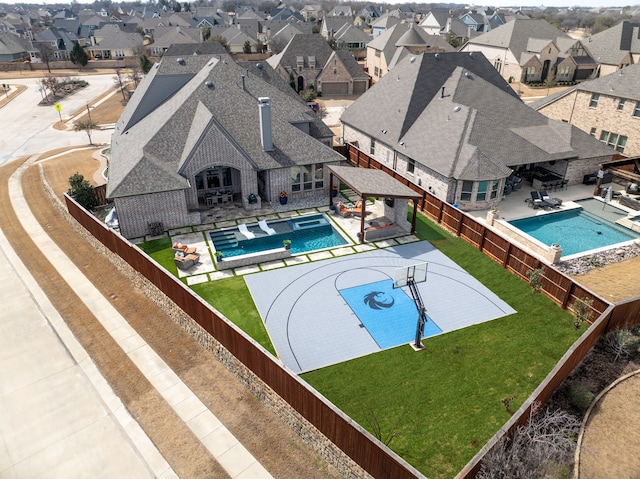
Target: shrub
{"type": "Point", "coordinates": [82, 191]}
{"type": "Point", "coordinates": [580, 396]}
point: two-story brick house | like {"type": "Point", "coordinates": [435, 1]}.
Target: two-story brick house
{"type": "Point", "coordinates": [607, 108]}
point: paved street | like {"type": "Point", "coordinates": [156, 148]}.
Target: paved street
{"type": "Point", "coordinates": [27, 128]}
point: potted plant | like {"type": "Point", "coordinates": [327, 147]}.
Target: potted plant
{"type": "Point", "coordinates": [219, 255]}
{"type": "Point", "coordinates": [287, 244]}
{"type": "Point", "coordinates": [283, 197]}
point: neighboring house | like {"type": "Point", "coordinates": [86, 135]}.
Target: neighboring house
{"type": "Point", "coordinates": [350, 38]}
{"type": "Point", "coordinates": [311, 12]}
{"type": "Point", "coordinates": [199, 123]}
{"type": "Point", "coordinates": [607, 108]}
{"type": "Point", "coordinates": [384, 23]}
{"type": "Point", "coordinates": [110, 42]}
{"type": "Point", "coordinates": [476, 22]}
{"type": "Point", "coordinates": [369, 14]}
{"type": "Point", "coordinates": [13, 48]}
{"type": "Point", "coordinates": [616, 47]}
{"type": "Point", "coordinates": [441, 22]}
{"type": "Point", "coordinates": [450, 123]}
{"type": "Point", "coordinates": [529, 51]}
{"type": "Point", "coordinates": [308, 60]}
{"type": "Point", "coordinates": [330, 25]}
{"type": "Point", "coordinates": [164, 37]}
{"type": "Point", "coordinates": [402, 39]}
{"type": "Point", "coordinates": [60, 42]}
{"type": "Point", "coordinates": [341, 11]}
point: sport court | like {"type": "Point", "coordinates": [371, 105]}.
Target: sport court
{"type": "Point", "coordinates": [326, 312]}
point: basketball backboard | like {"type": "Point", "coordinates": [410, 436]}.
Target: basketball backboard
{"type": "Point", "coordinates": [417, 272]}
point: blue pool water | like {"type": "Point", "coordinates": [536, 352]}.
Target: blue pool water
{"type": "Point", "coordinates": [389, 315]}
{"type": "Point", "coordinates": [307, 233]}
{"type": "Point", "coordinates": [576, 231]}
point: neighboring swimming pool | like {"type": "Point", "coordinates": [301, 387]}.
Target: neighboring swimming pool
{"type": "Point", "coordinates": [306, 233]}
{"type": "Point", "coordinates": [576, 231]}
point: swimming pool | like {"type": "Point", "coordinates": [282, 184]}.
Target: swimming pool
{"type": "Point", "coordinates": [576, 231]}
{"type": "Point", "coordinates": [306, 233]}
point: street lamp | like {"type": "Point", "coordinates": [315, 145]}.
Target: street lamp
{"type": "Point", "coordinates": [88, 112]}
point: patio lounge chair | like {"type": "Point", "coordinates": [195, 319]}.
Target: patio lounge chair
{"type": "Point", "coordinates": [553, 202]}
{"type": "Point", "coordinates": [186, 262]}
{"type": "Point", "coordinates": [357, 210]}
{"type": "Point", "coordinates": [342, 210]}
{"type": "Point", "coordinates": [266, 228]}
{"type": "Point", "coordinates": [536, 201]}
{"type": "Point", "coordinates": [245, 231]}
{"type": "Point", "coordinates": [183, 249]}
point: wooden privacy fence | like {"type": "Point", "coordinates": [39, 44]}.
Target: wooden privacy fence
{"type": "Point", "coordinates": [370, 454]}
{"type": "Point", "coordinates": [559, 288]}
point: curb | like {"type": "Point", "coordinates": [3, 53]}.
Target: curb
{"type": "Point", "coordinates": [587, 416]}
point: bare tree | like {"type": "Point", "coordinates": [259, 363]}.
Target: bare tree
{"type": "Point", "coordinates": [46, 53]}
{"type": "Point", "coordinates": [543, 448]}
{"type": "Point", "coordinates": [119, 84]}
{"type": "Point", "coordinates": [87, 126]}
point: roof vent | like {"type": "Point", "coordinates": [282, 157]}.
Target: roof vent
{"type": "Point", "coordinates": [442, 93]}
{"type": "Point", "coordinates": [181, 61]}
{"type": "Point", "coordinates": [384, 132]}
{"type": "Point", "coordinates": [244, 86]}
{"type": "Point", "coordinates": [471, 54]}
{"type": "Point", "coordinates": [468, 75]}
{"type": "Point", "coordinates": [259, 66]}
{"type": "Point", "coordinates": [437, 56]}
{"type": "Point", "coordinates": [413, 59]}
{"type": "Point", "coordinates": [457, 109]}
{"type": "Point", "coordinates": [209, 84]}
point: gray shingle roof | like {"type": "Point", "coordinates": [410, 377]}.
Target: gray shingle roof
{"type": "Point", "coordinates": [624, 83]}
{"type": "Point", "coordinates": [475, 130]}
{"type": "Point", "coordinates": [368, 182]}
{"type": "Point", "coordinates": [175, 113]}
{"type": "Point", "coordinates": [303, 45]}
{"type": "Point", "coordinates": [387, 42]}
{"type": "Point", "coordinates": [612, 45]}
{"type": "Point", "coordinates": [516, 35]}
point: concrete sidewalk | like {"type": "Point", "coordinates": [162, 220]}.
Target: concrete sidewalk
{"type": "Point", "coordinates": [41, 414]}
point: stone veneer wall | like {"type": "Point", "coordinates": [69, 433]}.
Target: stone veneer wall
{"type": "Point", "coordinates": [305, 430]}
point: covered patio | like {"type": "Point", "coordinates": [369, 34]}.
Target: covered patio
{"type": "Point", "coordinates": [367, 183]}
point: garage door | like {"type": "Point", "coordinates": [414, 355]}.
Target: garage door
{"type": "Point", "coordinates": [337, 88]}
{"type": "Point", "coordinates": [359, 87]}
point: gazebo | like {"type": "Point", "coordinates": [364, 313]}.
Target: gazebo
{"type": "Point", "coordinates": [368, 182]}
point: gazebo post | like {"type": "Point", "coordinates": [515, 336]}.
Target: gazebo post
{"type": "Point", "coordinates": [330, 189]}
{"type": "Point", "coordinates": [413, 219]}
{"type": "Point", "coordinates": [363, 214]}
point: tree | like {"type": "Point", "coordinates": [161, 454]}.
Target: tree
{"type": "Point", "coordinates": [82, 191]}
{"type": "Point", "coordinates": [46, 53]}
{"type": "Point", "coordinates": [205, 33]}
{"type": "Point", "coordinates": [117, 80]}
{"type": "Point", "coordinates": [133, 75]}
{"type": "Point", "coordinates": [246, 48]}
{"type": "Point", "coordinates": [78, 55]}
{"type": "Point", "coordinates": [177, 8]}
{"type": "Point", "coordinates": [145, 63]}
{"type": "Point", "coordinates": [221, 40]}
{"type": "Point", "coordinates": [187, 7]}
{"type": "Point", "coordinates": [452, 40]}
{"type": "Point", "coordinates": [87, 126]}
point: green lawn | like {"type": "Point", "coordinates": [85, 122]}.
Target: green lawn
{"type": "Point", "coordinates": [440, 405]}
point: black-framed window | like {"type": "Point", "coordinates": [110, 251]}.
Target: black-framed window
{"type": "Point", "coordinates": [636, 110]}
{"type": "Point", "coordinates": [307, 177]}
{"type": "Point", "coordinates": [372, 149]}
{"type": "Point", "coordinates": [411, 166]}
{"type": "Point", "coordinates": [594, 100]}
{"type": "Point", "coordinates": [467, 190]}
{"type": "Point", "coordinates": [621, 104]}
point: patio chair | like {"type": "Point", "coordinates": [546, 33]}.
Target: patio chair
{"type": "Point", "coordinates": [183, 249]}
{"type": "Point", "coordinates": [536, 201]}
{"type": "Point", "coordinates": [185, 262]}
{"type": "Point", "coordinates": [553, 202]}
{"type": "Point", "coordinates": [245, 231]}
{"type": "Point", "coordinates": [266, 228]}
{"type": "Point", "coordinates": [342, 210]}
{"type": "Point", "coordinates": [357, 210]}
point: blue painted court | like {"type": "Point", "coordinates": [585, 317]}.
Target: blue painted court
{"type": "Point", "coordinates": [388, 314]}
{"type": "Point", "coordinates": [325, 312]}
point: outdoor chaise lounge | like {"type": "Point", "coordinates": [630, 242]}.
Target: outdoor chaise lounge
{"type": "Point", "coordinates": [536, 201]}
{"type": "Point", "coordinates": [245, 231]}
{"type": "Point", "coordinates": [186, 262]}
{"type": "Point", "coordinates": [266, 228]}
{"type": "Point", "coordinates": [357, 210]}
{"type": "Point", "coordinates": [342, 210]}
{"type": "Point", "coordinates": [183, 249]}
{"type": "Point", "coordinates": [553, 202]}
